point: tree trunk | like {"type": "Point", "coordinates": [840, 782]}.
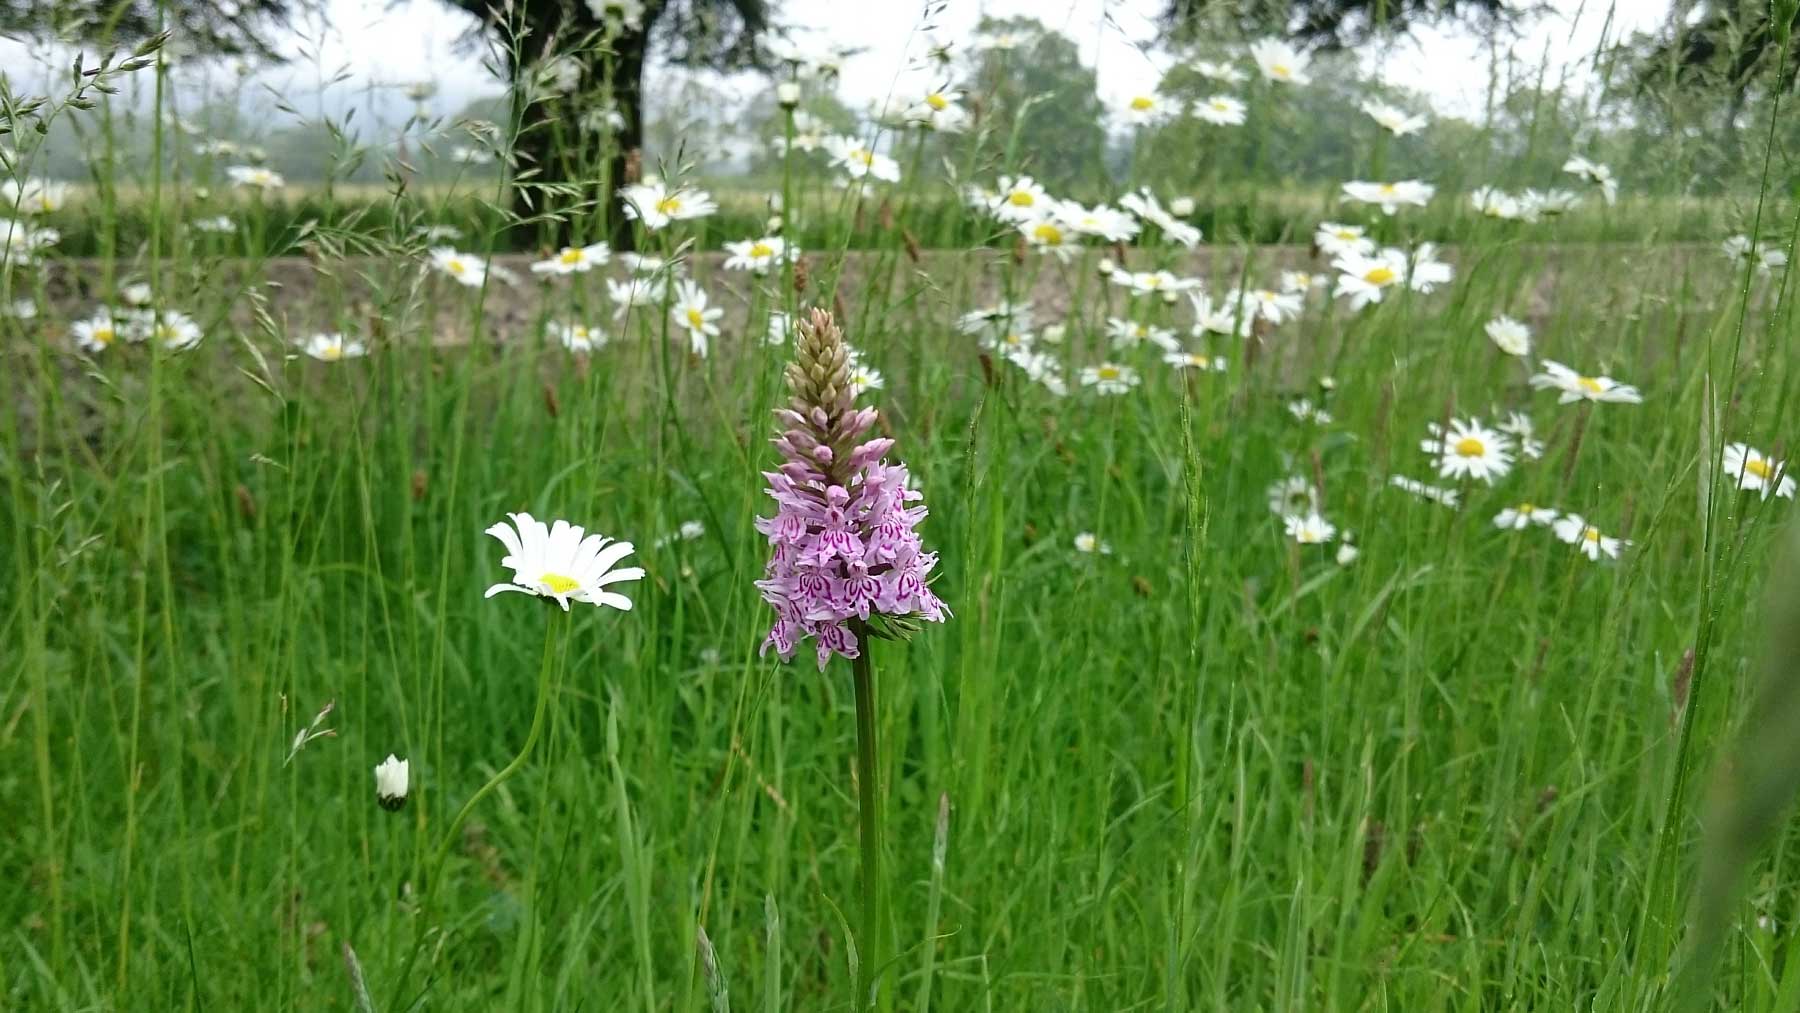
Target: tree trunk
{"type": "Point", "coordinates": [548, 149]}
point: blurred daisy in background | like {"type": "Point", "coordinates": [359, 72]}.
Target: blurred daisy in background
{"type": "Point", "coordinates": [1579, 387]}
{"type": "Point", "coordinates": [1756, 472]}
{"type": "Point", "coordinates": [1586, 538]}
{"type": "Point", "coordinates": [330, 347]}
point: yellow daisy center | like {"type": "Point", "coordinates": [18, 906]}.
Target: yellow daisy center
{"type": "Point", "coordinates": [1021, 199]}
{"type": "Point", "coordinates": [1758, 467]}
{"type": "Point", "coordinates": [695, 319]}
{"type": "Point", "coordinates": [1525, 509]}
{"type": "Point", "coordinates": [1281, 70]}
{"type": "Point", "coordinates": [1143, 104]}
{"type": "Point", "coordinates": [1469, 446]}
{"type": "Point", "coordinates": [570, 256]}
{"type": "Point", "coordinates": [1348, 234]}
{"type": "Point", "coordinates": [104, 335]}
{"type": "Point", "coordinates": [559, 584]}
{"type": "Point", "coordinates": [331, 353]}
{"type": "Point", "coordinates": [455, 266]}
{"type": "Point", "coordinates": [1047, 234]}
{"type": "Point", "coordinates": [863, 155]}
{"type": "Point", "coordinates": [937, 101]}
{"type": "Point", "coordinates": [669, 205]}
{"type": "Point", "coordinates": [1380, 276]}
{"type": "Point", "coordinates": [1221, 105]}
{"type": "Point", "coordinates": [1388, 189]}
{"type": "Point", "coordinates": [1108, 373]}
{"type": "Point", "coordinates": [1591, 534]}
{"type": "Point", "coordinates": [1589, 384]}
{"type": "Point", "coordinates": [761, 250]}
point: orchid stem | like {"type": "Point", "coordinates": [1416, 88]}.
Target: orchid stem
{"type": "Point", "coordinates": [869, 799]}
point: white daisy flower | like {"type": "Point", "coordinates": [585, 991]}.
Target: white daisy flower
{"type": "Point", "coordinates": [574, 260]}
{"type": "Point", "coordinates": [1511, 336]}
{"type": "Point", "coordinates": [1364, 278]}
{"type": "Point", "coordinates": [1018, 199]}
{"type": "Point", "coordinates": [1280, 62]}
{"type": "Point", "coordinates": [756, 255]}
{"type": "Point", "coordinates": [941, 110]}
{"type": "Point", "coordinates": [1394, 121]}
{"type": "Point", "coordinates": [637, 290]}
{"type": "Point", "coordinates": [1266, 303]}
{"type": "Point", "coordinates": [859, 161]}
{"type": "Point", "coordinates": [34, 196]}
{"type": "Point", "coordinates": [1144, 204]}
{"type": "Point", "coordinates": [1195, 361]}
{"type": "Point", "coordinates": [780, 330]}
{"type": "Point", "coordinates": [1294, 495]}
{"type": "Point", "coordinates": [1334, 239]}
{"type": "Point", "coordinates": [1220, 111]}
{"type": "Point", "coordinates": [1436, 494]}
{"type": "Point", "coordinates": [1049, 235]}
{"type": "Point", "coordinates": [579, 337]}
{"type": "Point", "coordinates": [1130, 334]}
{"type": "Point", "coordinates": [1109, 378]}
{"type": "Point", "coordinates": [1223, 318]}
{"type": "Point", "coordinates": [1470, 450]}
{"type": "Point", "coordinates": [863, 377]}
{"type": "Point", "coordinates": [1222, 72]}
{"type": "Point", "coordinates": [1146, 109]}
{"type": "Point", "coordinates": [1578, 387]}
{"type": "Point", "coordinates": [463, 268]}
{"type": "Point", "coordinates": [1427, 272]}
{"type": "Point", "coordinates": [1089, 542]}
{"type": "Point", "coordinates": [1304, 410]}
{"type": "Point", "coordinates": [1040, 367]}
{"type": "Point", "coordinates": [173, 330]}
{"type": "Point", "coordinates": [331, 347]}
{"type": "Point", "coordinates": [1310, 529]}
{"type": "Point", "coordinates": [1518, 425]}
{"type": "Point", "coordinates": [1756, 472]}
{"type": "Point", "coordinates": [1549, 203]}
{"type": "Point", "coordinates": [1595, 173]}
{"type": "Point", "coordinates": [692, 312]}
{"type": "Point", "coordinates": [1100, 221]}
{"type": "Point", "coordinates": [97, 333]}
{"type": "Point", "coordinates": [1390, 196]}
{"type": "Point", "coordinates": [562, 562]}
{"type": "Point", "coordinates": [1492, 202]}
{"type": "Point", "coordinates": [255, 177]}
{"type": "Point", "coordinates": [1299, 283]}
{"type": "Point", "coordinates": [1586, 538]}
{"type": "Point", "coordinates": [656, 205]}
{"type": "Point", "coordinates": [1522, 515]}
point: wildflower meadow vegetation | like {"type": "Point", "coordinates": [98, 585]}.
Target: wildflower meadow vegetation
{"type": "Point", "coordinates": [927, 570]}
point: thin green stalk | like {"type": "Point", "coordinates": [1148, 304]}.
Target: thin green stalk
{"type": "Point", "coordinates": [869, 809]}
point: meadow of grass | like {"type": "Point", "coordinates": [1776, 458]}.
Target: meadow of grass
{"type": "Point", "coordinates": [1163, 756]}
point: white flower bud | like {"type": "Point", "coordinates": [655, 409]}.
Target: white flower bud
{"type": "Point", "coordinates": [1182, 206]}
{"type": "Point", "coordinates": [391, 783]}
{"type": "Point", "coordinates": [787, 93]}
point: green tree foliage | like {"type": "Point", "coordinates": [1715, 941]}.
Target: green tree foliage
{"type": "Point", "coordinates": [1035, 107]}
{"type": "Point", "coordinates": [1331, 23]}
{"type": "Point", "coordinates": [212, 26]}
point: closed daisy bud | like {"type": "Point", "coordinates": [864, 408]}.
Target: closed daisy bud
{"type": "Point", "coordinates": [391, 783]}
{"type": "Point", "coordinates": [787, 94]}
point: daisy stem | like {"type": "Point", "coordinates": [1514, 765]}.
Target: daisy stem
{"type": "Point", "coordinates": [434, 878]}
{"type": "Point", "coordinates": [869, 804]}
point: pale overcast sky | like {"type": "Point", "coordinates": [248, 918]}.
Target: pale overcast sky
{"type": "Point", "coordinates": [419, 39]}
